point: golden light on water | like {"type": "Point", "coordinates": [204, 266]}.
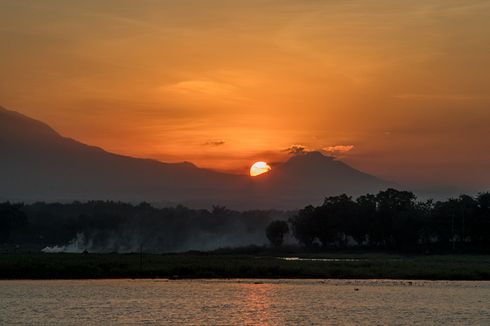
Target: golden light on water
{"type": "Point", "coordinates": [259, 168]}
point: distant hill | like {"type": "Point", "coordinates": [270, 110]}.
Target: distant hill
{"type": "Point", "coordinates": [37, 163]}
{"type": "Point", "coordinates": [309, 177]}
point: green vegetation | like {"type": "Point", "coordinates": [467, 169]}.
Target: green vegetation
{"type": "Point", "coordinates": [217, 265]}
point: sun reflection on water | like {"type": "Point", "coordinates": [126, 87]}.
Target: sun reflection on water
{"type": "Point", "coordinates": [257, 303]}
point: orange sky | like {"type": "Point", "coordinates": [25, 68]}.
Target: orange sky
{"type": "Point", "coordinates": [400, 89]}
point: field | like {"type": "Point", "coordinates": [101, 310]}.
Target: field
{"type": "Point", "coordinates": [213, 265]}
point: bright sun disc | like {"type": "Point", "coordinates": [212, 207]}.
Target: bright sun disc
{"type": "Point", "coordinates": [259, 168]}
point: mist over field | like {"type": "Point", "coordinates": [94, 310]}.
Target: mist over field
{"type": "Point", "coordinates": [105, 227]}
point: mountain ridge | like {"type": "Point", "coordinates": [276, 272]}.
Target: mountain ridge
{"type": "Point", "coordinates": [40, 164]}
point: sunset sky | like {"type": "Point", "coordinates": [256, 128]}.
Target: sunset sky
{"type": "Point", "coordinates": [399, 89]}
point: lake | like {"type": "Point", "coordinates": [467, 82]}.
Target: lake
{"type": "Point", "coordinates": [244, 302]}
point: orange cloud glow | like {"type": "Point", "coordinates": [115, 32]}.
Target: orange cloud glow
{"type": "Point", "coordinates": [221, 83]}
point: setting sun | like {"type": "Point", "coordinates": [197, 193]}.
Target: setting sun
{"type": "Point", "coordinates": [259, 168]}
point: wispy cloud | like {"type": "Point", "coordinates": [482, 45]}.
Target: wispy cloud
{"type": "Point", "coordinates": [205, 88]}
{"type": "Point", "coordinates": [335, 150]}
{"type": "Point", "coordinates": [338, 149]}
{"type": "Point", "coordinates": [214, 143]}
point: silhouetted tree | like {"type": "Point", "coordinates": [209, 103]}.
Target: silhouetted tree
{"type": "Point", "coordinates": [13, 223]}
{"type": "Point", "coordinates": [363, 228]}
{"type": "Point", "coordinates": [304, 226]}
{"type": "Point", "coordinates": [333, 219]}
{"type": "Point", "coordinates": [275, 232]}
{"type": "Point", "coordinates": [479, 228]}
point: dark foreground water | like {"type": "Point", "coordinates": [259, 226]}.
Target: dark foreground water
{"type": "Point", "coordinates": [244, 302]}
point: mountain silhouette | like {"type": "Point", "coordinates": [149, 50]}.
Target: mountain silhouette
{"type": "Point", "coordinates": [39, 164]}
{"type": "Point", "coordinates": [309, 177]}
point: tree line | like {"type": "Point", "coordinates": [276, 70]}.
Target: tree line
{"type": "Point", "coordinates": [390, 220]}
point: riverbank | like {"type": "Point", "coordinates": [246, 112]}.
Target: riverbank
{"type": "Point", "coordinates": [205, 265]}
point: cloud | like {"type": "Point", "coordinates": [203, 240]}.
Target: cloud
{"type": "Point", "coordinates": [214, 143]}
{"type": "Point", "coordinates": [204, 88]}
{"type": "Point", "coordinates": [296, 150]}
{"type": "Point", "coordinates": [338, 149]}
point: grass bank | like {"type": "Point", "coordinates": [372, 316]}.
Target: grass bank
{"type": "Point", "coordinates": [195, 265]}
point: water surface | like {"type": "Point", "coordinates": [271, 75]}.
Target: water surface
{"type": "Point", "coordinates": [244, 302]}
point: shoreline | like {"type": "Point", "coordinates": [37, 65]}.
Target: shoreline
{"type": "Point", "coordinates": [259, 281]}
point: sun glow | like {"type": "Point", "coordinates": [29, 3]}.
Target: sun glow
{"type": "Point", "coordinates": [259, 168]}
